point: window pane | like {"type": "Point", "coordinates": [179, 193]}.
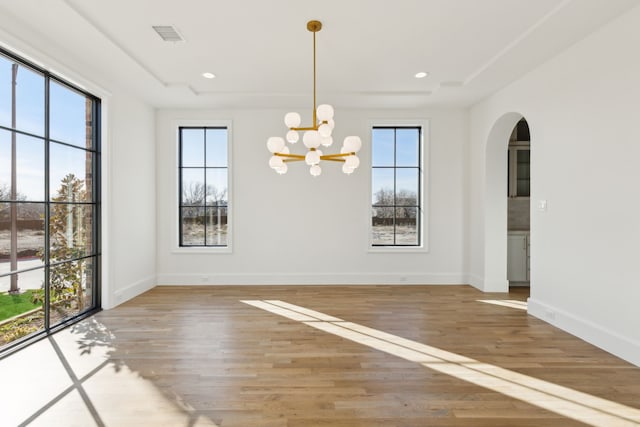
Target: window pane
{"type": "Point", "coordinates": [382, 186]}
{"type": "Point", "coordinates": [69, 169]}
{"type": "Point", "coordinates": [30, 235]}
{"type": "Point", "coordinates": [30, 280]}
{"type": "Point", "coordinates": [523, 187]}
{"type": "Point", "coordinates": [89, 285]}
{"type": "Point", "coordinates": [5, 164]}
{"type": "Point", "coordinates": [216, 147]}
{"type": "Point", "coordinates": [216, 226]}
{"type": "Point", "coordinates": [193, 186]}
{"type": "Point", "coordinates": [71, 288]}
{"type": "Point", "coordinates": [523, 164]}
{"type": "Point", "coordinates": [29, 99]}
{"type": "Point", "coordinates": [192, 147]}
{"type": "Point", "coordinates": [382, 147]}
{"type": "Point", "coordinates": [192, 227]}
{"type": "Point", "coordinates": [70, 231]}
{"type": "Point", "coordinates": [407, 147]}
{"type": "Point", "coordinates": [5, 91]}
{"type": "Point", "coordinates": [69, 115]}
{"type": "Point", "coordinates": [406, 226]}
{"type": "Point", "coordinates": [523, 172]}
{"type": "Point", "coordinates": [25, 306]}
{"type": "Point", "coordinates": [29, 167]}
{"type": "Point", "coordinates": [407, 187]}
{"type": "Point", "coordinates": [382, 228]}
{"type": "Point", "coordinates": [216, 187]}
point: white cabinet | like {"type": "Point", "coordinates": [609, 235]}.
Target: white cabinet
{"type": "Point", "coordinates": [518, 256]}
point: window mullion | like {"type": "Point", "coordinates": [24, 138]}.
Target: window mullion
{"type": "Point", "coordinates": [204, 191]}
{"type": "Point", "coordinates": [395, 185]}
{"type": "Point", "coordinates": [47, 207]}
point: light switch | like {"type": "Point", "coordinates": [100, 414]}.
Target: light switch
{"type": "Point", "coordinates": [542, 205]}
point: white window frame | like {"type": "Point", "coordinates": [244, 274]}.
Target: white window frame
{"type": "Point", "coordinates": [424, 187]}
{"type": "Point", "coordinates": [177, 249]}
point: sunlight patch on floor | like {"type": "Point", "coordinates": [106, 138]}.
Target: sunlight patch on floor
{"type": "Point", "coordinates": [70, 380]}
{"type": "Point", "coordinates": [562, 400]}
{"type": "Point", "coordinates": [511, 303]}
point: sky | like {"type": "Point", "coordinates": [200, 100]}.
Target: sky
{"type": "Point", "coordinates": [67, 124]}
{"type": "Point", "coordinates": [406, 154]}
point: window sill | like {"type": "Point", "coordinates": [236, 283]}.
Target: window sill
{"type": "Point", "coordinates": [202, 250]}
{"type": "Point", "coordinates": [396, 249]}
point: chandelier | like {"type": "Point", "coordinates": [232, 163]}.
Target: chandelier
{"type": "Point", "coordinates": [314, 136]}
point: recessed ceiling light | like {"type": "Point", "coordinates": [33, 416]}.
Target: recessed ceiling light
{"type": "Point", "coordinates": [421, 75]}
{"type": "Point", "coordinates": [208, 75]}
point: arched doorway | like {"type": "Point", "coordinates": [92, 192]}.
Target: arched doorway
{"type": "Point", "coordinates": [496, 203]}
{"type": "Point", "coordinates": [519, 205]}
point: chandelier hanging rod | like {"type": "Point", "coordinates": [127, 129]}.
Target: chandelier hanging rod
{"type": "Point", "coordinates": [314, 27]}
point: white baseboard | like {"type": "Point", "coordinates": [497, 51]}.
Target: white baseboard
{"type": "Point", "coordinates": [586, 330]}
{"type": "Point", "coordinates": [475, 281]}
{"type": "Point", "coordinates": [131, 291]}
{"type": "Point", "coordinates": [311, 279]}
{"type": "Point", "coordinates": [496, 286]}
{"type": "Point", "coordinates": [479, 283]}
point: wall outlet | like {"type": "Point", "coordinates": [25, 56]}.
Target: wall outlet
{"type": "Point", "coordinates": [542, 205]}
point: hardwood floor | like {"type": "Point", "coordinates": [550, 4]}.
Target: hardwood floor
{"type": "Point", "coordinates": [201, 356]}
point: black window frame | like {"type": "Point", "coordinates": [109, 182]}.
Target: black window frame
{"type": "Point", "coordinates": [95, 254]}
{"type": "Point", "coordinates": [205, 206]}
{"type": "Point", "coordinates": [394, 206]}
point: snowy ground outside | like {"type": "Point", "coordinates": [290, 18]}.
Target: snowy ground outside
{"type": "Point", "coordinates": [383, 235]}
{"type": "Point", "coordinates": [28, 241]}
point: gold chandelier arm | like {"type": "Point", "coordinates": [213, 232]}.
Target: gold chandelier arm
{"type": "Point", "coordinates": [315, 127]}
{"type": "Point", "coordinates": [291, 157]}
{"type": "Point", "coordinates": [336, 156]}
{"type": "Point", "coordinates": [307, 128]}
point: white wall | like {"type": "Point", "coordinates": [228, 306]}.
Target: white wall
{"type": "Point", "coordinates": [129, 182]}
{"type": "Point", "coordinates": [128, 164]}
{"type": "Point", "coordinates": [296, 229]}
{"type": "Point", "coordinates": [582, 108]}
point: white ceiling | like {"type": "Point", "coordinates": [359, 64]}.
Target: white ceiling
{"type": "Point", "coordinates": [261, 52]}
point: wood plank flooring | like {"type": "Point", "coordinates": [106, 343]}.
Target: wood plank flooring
{"type": "Point", "coordinates": [219, 361]}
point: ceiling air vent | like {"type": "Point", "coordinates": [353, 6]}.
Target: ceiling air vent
{"type": "Point", "coordinates": [168, 33]}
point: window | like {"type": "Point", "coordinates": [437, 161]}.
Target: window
{"type": "Point", "coordinates": [49, 201]}
{"type": "Point", "coordinates": [396, 204]}
{"type": "Point", "coordinates": [204, 198]}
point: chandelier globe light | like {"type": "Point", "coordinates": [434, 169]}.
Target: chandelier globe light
{"type": "Point", "coordinates": [314, 136]}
